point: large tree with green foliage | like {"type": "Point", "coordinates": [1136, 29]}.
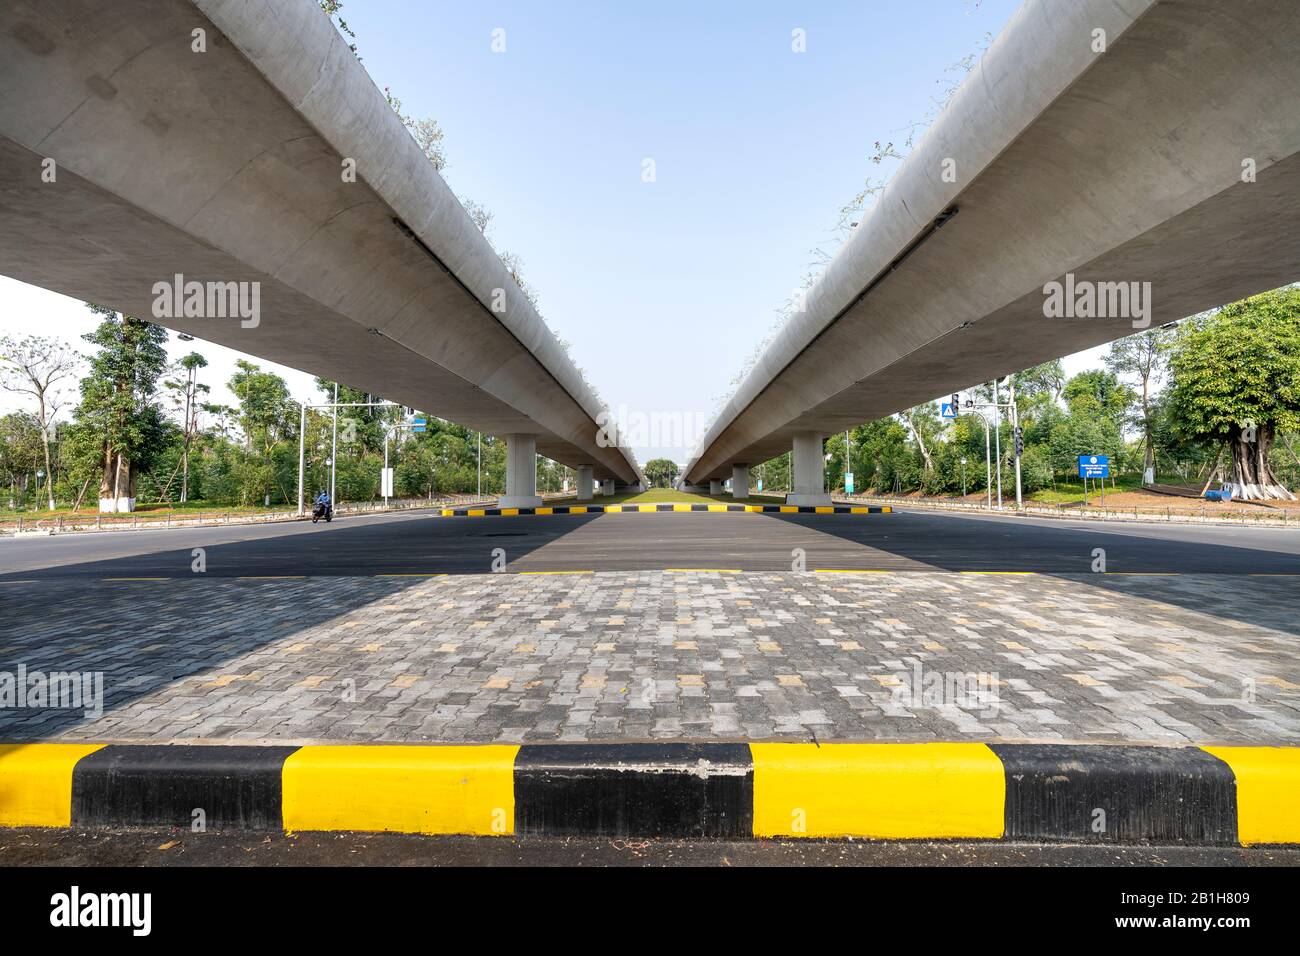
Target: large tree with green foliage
{"type": "Point", "coordinates": [661, 472]}
{"type": "Point", "coordinates": [1236, 383]}
{"type": "Point", "coordinates": [118, 410]}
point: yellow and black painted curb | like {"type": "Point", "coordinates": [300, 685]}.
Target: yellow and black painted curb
{"type": "Point", "coordinates": [896, 791]}
{"type": "Point", "coordinates": [666, 507]}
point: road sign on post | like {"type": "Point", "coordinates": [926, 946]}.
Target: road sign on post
{"type": "Point", "coordinates": [386, 482]}
{"type": "Point", "coordinates": [948, 409]}
{"type": "Point", "coordinates": [848, 483]}
{"type": "Point", "coordinates": [419, 425]}
{"type": "Point", "coordinates": [1094, 466]}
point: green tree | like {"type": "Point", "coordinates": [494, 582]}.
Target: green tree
{"type": "Point", "coordinates": [118, 404]}
{"type": "Point", "coordinates": [1235, 377]}
{"type": "Point", "coordinates": [266, 410]}
{"type": "Point", "coordinates": [1143, 355]}
{"type": "Point", "coordinates": [661, 472]}
{"type": "Point", "coordinates": [37, 367]}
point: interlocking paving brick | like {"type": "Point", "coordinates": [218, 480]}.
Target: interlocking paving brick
{"type": "Point", "coordinates": [655, 655]}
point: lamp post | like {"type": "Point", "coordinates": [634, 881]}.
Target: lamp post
{"type": "Point", "coordinates": [963, 477]}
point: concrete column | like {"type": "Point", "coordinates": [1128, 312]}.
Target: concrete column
{"type": "Point", "coordinates": [609, 486]}
{"type": "Point", "coordinates": [715, 486]}
{"type": "Point", "coordinates": [740, 481]}
{"type": "Point", "coordinates": [521, 473]}
{"type": "Point", "coordinates": [809, 471]}
{"type": "Point", "coordinates": [584, 482]}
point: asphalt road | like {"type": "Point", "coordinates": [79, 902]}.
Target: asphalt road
{"type": "Point", "coordinates": [145, 847]}
{"type": "Point", "coordinates": [424, 544]}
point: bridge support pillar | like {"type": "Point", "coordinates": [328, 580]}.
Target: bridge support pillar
{"type": "Point", "coordinates": [609, 486]}
{"type": "Point", "coordinates": [521, 473]}
{"type": "Point", "coordinates": [740, 481]}
{"type": "Point", "coordinates": [584, 482]}
{"type": "Point", "coordinates": [715, 486]}
{"type": "Point", "coordinates": [809, 471]}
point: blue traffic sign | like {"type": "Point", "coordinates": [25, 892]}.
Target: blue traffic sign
{"type": "Point", "coordinates": [947, 410]}
{"type": "Point", "coordinates": [1094, 466]}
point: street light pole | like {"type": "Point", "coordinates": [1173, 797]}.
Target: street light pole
{"type": "Point", "coordinates": [334, 440]}
{"type": "Point", "coordinates": [997, 437]}
{"type": "Point", "coordinates": [302, 454]}
{"type": "Point", "coordinates": [1015, 436]}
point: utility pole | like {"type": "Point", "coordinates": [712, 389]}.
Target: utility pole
{"type": "Point", "coordinates": [997, 437]}
{"type": "Point", "coordinates": [1020, 442]}
{"type": "Point", "coordinates": [334, 442]}
{"type": "Point", "coordinates": [847, 465]}
{"type": "Point", "coordinates": [480, 464]}
{"type": "Point", "coordinates": [302, 453]}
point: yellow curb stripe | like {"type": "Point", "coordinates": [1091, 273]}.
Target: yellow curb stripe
{"type": "Point", "coordinates": [271, 577]}
{"type": "Point", "coordinates": [1021, 573]}
{"type": "Point", "coordinates": [411, 574]}
{"type": "Point", "coordinates": [852, 571]}
{"type": "Point", "coordinates": [437, 789]}
{"type": "Point", "coordinates": [36, 783]}
{"type": "Point", "coordinates": [710, 570]}
{"type": "Point", "coordinates": [1268, 792]}
{"type": "Point", "coordinates": [544, 511]}
{"type": "Point", "coordinates": [880, 791]}
{"type": "Point", "coordinates": [681, 507]}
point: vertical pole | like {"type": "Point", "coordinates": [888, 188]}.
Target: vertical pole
{"type": "Point", "coordinates": [302, 453]}
{"type": "Point", "coordinates": [1015, 436]}
{"type": "Point", "coordinates": [480, 464]}
{"type": "Point", "coordinates": [847, 466]}
{"type": "Point", "coordinates": [997, 436]}
{"type": "Point", "coordinates": [383, 479]}
{"type": "Point", "coordinates": [988, 463]}
{"type": "Point", "coordinates": [334, 442]}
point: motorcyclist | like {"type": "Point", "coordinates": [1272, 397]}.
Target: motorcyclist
{"type": "Point", "coordinates": [322, 504]}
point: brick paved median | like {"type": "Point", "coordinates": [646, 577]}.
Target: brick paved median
{"type": "Point", "coordinates": [662, 656]}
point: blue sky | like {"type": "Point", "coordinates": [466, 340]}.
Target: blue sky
{"type": "Point", "coordinates": [661, 288]}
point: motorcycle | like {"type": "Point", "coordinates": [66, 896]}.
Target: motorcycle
{"type": "Point", "coordinates": [319, 511]}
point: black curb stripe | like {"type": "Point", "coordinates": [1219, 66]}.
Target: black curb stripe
{"type": "Point", "coordinates": [150, 785]}
{"type": "Point", "coordinates": [1156, 794]}
{"type": "Point", "coordinates": [642, 790]}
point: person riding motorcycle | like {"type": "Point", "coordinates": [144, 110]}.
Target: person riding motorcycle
{"type": "Point", "coordinates": [322, 507]}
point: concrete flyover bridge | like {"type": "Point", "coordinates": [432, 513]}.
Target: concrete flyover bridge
{"type": "Point", "coordinates": [240, 145]}
{"type": "Point", "coordinates": [1098, 141]}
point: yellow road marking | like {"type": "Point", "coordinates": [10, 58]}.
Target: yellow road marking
{"type": "Point", "coordinates": [556, 572]}
{"type": "Point", "coordinates": [1268, 792]}
{"type": "Point", "coordinates": [712, 570]}
{"type": "Point", "coordinates": [853, 571]}
{"type": "Point", "coordinates": [36, 783]}
{"type": "Point", "coordinates": [882, 791]}
{"type": "Point", "coordinates": [406, 789]}
{"type": "Point", "coordinates": [271, 577]}
{"type": "Point", "coordinates": [135, 579]}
